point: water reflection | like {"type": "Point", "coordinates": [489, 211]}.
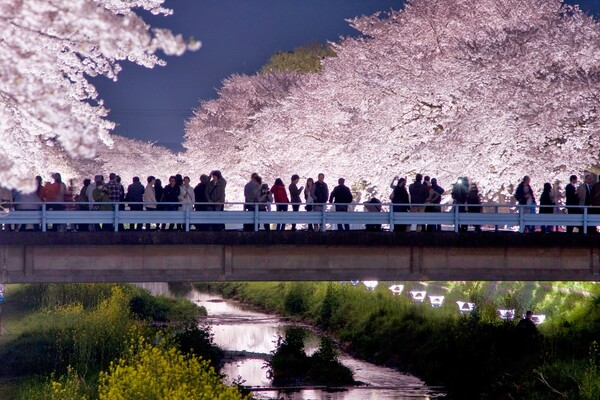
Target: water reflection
{"type": "Point", "coordinates": [249, 337]}
{"type": "Point", "coordinates": [254, 332]}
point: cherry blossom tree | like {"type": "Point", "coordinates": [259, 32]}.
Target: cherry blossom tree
{"type": "Point", "coordinates": [48, 49]}
{"type": "Point", "coordinates": [218, 136]}
{"type": "Point", "coordinates": [493, 89]}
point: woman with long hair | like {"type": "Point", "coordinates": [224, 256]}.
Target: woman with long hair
{"type": "Point", "coordinates": [309, 196]}
{"type": "Point", "coordinates": [281, 199]}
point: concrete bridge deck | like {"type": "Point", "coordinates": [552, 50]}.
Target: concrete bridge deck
{"type": "Point", "coordinates": [150, 256]}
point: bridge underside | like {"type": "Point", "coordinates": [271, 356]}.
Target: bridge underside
{"type": "Point", "coordinates": [29, 257]}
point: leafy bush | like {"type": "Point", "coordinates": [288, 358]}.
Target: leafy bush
{"type": "Point", "coordinates": [162, 372]}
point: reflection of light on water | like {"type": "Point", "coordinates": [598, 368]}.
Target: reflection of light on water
{"type": "Point", "coordinates": [255, 338]}
{"type": "Point", "coordinates": [252, 371]}
{"type": "Point", "coordinates": [236, 329]}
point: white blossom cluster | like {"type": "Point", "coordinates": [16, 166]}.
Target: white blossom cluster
{"type": "Point", "coordinates": [492, 90]}
{"type": "Point", "coordinates": [49, 112]}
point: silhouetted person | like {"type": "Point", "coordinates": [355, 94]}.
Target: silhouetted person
{"type": "Point", "coordinates": [400, 200]}
{"type": "Point", "coordinates": [572, 200]}
{"type": "Point", "coordinates": [341, 196]}
{"type": "Point", "coordinates": [295, 193]}
{"type": "Point", "coordinates": [201, 199]}
{"type": "Point", "coordinates": [584, 191]}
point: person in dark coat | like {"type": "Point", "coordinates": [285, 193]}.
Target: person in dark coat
{"type": "Point", "coordinates": [547, 204]}
{"type": "Point", "coordinates": [201, 199]}
{"type": "Point", "coordinates": [572, 199]}
{"type": "Point", "coordinates": [321, 195]}
{"type": "Point", "coordinates": [171, 195]}
{"type": "Point", "coordinates": [401, 201]}
{"type": "Point", "coordinates": [341, 196]}
{"type": "Point", "coordinates": [135, 194]}
{"type": "Point", "coordinates": [474, 203]}
{"type": "Point", "coordinates": [459, 197]}
{"type": "Point", "coordinates": [295, 193]}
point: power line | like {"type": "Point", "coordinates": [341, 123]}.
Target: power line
{"type": "Point", "coordinates": [148, 112]}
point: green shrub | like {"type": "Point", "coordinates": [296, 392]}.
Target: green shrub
{"type": "Point", "coordinates": [162, 372]}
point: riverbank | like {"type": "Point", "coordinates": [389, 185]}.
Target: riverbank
{"type": "Point", "coordinates": [474, 356]}
{"type": "Point", "coordinates": [63, 342]}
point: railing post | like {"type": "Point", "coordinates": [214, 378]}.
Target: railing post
{"type": "Point", "coordinates": [187, 218]}
{"type": "Point", "coordinates": [521, 221]}
{"type": "Point", "coordinates": [391, 217]}
{"type": "Point", "coordinates": [116, 218]}
{"type": "Point", "coordinates": [256, 217]}
{"type": "Point", "coordinates": [455, 210]}
{"type": "Point", "coordinates": [323, 218]}
{"type": "Point", "coordinates": [43, 217]}
{"type": "Point", "coordinates": [585, 218]}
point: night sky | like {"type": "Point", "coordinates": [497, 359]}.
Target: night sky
{"type": "Point", "coordinates": [238, 36]}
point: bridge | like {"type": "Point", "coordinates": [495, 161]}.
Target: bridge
{"type": "Point", "coordinates": [498, 253]}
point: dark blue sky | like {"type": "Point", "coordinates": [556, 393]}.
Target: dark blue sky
{"type": "Point", "coordinates": [238, 36]}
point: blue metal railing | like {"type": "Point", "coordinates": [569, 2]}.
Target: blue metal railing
{"type": "Point", "coordinates": [491, 214]}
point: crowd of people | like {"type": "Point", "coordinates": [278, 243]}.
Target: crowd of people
{"type": "Point", "coordinates": [422, 195]}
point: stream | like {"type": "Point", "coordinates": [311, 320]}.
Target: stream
{"type": "Point", "coordinates": [249, 337]}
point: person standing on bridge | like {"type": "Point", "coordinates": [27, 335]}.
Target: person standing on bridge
{"type": "Point", "coordinates": [401, 201]}
{"type": "Point", "coordinates": [149, 197]}
{"type": "Point", "coordinates": [281, 199]}
{"type": "Point", "coordinates": [201, 199]}
{"type": "Point", "coordinates": [584, 191]}
{"type": "Point", "coordinates": [102, 201]}
{"type": "Point", "coordinates": [321, 195]}
{"type": "Point", "coordinates": [295, 195]}
{"type": "Point", "coordinates": [474, 203]}
{"type": "Point", "coordinates": [547, 204]}
{"type": "Point", "coordinates": [265, 199]}
{"type": "Point", "coordinates": [251, 194]}
{"type": "Point", "coordinates": [433, 197]}
{"type": "Point", "coordinates": [418, 195]}
{"type": "Point", "coordinates": [459, 197]}
{"type": "Point", "coordinates": [171, 197]}
{"type": "Point", "coordinates": [524, 196]}
{"type": "Point", "coordinates": [572, 200]}
{"type": "Point", "coordinates": [341, 196]}
{"type": "Point", "coordinates": [309, 197]}
{"type": "Point", "coordinates": [135, 195]}
{"type": "Point", "coordinates": [186, 197]}
{"type": "Point", "coordinates": [215, 191]}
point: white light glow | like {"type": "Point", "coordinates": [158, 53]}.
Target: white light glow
{"type": "Point", "coordinates": [418, 295]}
{"type": "Point", "coordinates": [465, 307]}
{"type": "Point", "coordinates": [436, 301]}
{"type": "Point", "coordinates": [506, 314]}
{"type": "Point", "coordinates": [397, 289]}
